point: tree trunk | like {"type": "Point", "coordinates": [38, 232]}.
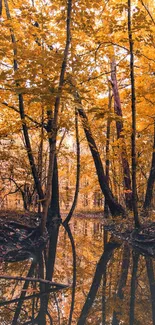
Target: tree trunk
{"type": "Point", "coordinates": [40, 154]}
{"type": "Point", "coordinates": [107, 162]}
{"type": "Point", "coordinates": [119, 127]}
{"type": "Point", "coordinates": [151, 179]}
{"type": "Point", "coordinates": [133, 106]}
{"type": "Point", "coordinates": [53, 122]}
{"type": "Point", "coordinates": [66, 221]}
{"type": "Point", "coordinates": [54, 209]}
{"type": "Point", "coordinates": [22, 114]}
{"type": "Point", "coordinates": [115, 207]}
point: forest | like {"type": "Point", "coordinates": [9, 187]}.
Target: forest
{"type": "Point", "coordinates": [77, 132]}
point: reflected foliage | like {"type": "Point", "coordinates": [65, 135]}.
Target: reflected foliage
{"type": "Point", "coordinates": [83, 276]}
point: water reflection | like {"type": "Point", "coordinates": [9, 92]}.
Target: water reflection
{"type": "Point", "coordinates": [107, 282]}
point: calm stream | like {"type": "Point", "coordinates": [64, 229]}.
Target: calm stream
{"type": "Point", "coordinates": [108, 282]}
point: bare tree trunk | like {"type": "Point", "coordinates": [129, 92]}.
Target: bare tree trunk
{"type": "Point", "coordinates": [107, 162]}
{"type": "Point", "coordinates": [115, 207]}
{"type": "Point", "coordinates": [119, 127]}
{"type": "Point", "coordinates": [22, 115]}
{"type": "Point", "coordinates": [151, 179]}
{"type": "Point", "coordinates": [1, 7]}
{"type": "Point", "coordinates": [66, 221]}
{"type": "Point", "coordinates": [54, 209]}
{"type": "Point", "coordinates": [54, 220]}
{"type": "Point", "coordinates": [53, 121]}
{"type": "Point", "coordinates": [40, 155]}
{"type": "Point", "coordinates": [133, 136]}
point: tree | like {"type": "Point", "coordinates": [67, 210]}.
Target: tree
{"type": "Point", "coordinates": [151, 179]}
{"type": "Point", "coordinates": [38, 61]}
{"type": "Point", "coordinates": [119, 126]}
{"type": "Point", "coordinates": [133, 106]}
{"type": "Point", "coordinates": [114, 207]}
{"type": "Point", "coordinates": [52, 122]}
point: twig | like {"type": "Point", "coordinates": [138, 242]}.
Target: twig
{"type": "Point", "coordinates": [17, 111]}
{"type": "Point", "coordinates": [144, 5]}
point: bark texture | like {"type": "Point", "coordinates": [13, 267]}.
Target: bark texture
{"type": "Point", "coordinates": [115, 207]}
{"type": "Point", "coordinates": [53, 120]}
{"type": "Point", "coordinates": [22, 114]}
{"type": "Point", "coordinates": [133, 107]}
{"type": "Point", "coordinates": [151, 179]}
{"type": "Point", "coordinates": [77, 171]}
{"type": "Point", "coordinates": [119, 127]}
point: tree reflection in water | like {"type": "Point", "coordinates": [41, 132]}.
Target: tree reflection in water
{"type": "Point", "coordinates": [106, 283]}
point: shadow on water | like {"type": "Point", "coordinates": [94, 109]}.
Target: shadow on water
{"type": "Point", "coordinates": [83, 276]}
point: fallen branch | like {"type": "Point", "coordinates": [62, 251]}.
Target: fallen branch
{"type": "Point", "coordinates": [18, 278]}
{"type": "Point", "coordinates": [36, 295]}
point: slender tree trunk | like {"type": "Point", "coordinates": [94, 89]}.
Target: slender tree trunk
{"type": "Point", "coordinates": [22, 114]}
{"type": "Point", "coordinates": [114, 183]}
{"type": "Point", "coordinates": [54, 221]}
{"type": "Point", "coordinates": [24, 200]}
{"type": "Point", "coordinates": [115, 207]}
{"type": "Point", "coordinates": [52, 252]}
{"type": "Point", "coordinates": [133, 105]}
{"type": "Point", "coordinates": [40, 155]}
{"type": "Point", "coordinates": [119, 127]}
{"type": "Point", "coordinates": [53, 122]}
{"type": "Point", "coordinates": [29, 150]}
{"type": "Point", "coordinates": [1, 7]}
{"type": "Point", "coordinates": [54, 209]}
{"type": "Point", "coordinates": [66, 221]}
{"type": "Point", "coordinates": [151, 179]}
{"type": "Point", "coordinates": [107, 162]}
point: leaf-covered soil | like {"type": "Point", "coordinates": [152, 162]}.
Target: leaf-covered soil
{"type": "Point", "coordinates": [20, 236]}
{"type": "Point", "coordinates": [24, 217]}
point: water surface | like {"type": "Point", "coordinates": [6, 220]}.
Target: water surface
{"type": "Point", "coordinates": [108, 282]}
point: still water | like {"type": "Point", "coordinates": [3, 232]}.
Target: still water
{"type": "Point", "coordinates": [107, 282]}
